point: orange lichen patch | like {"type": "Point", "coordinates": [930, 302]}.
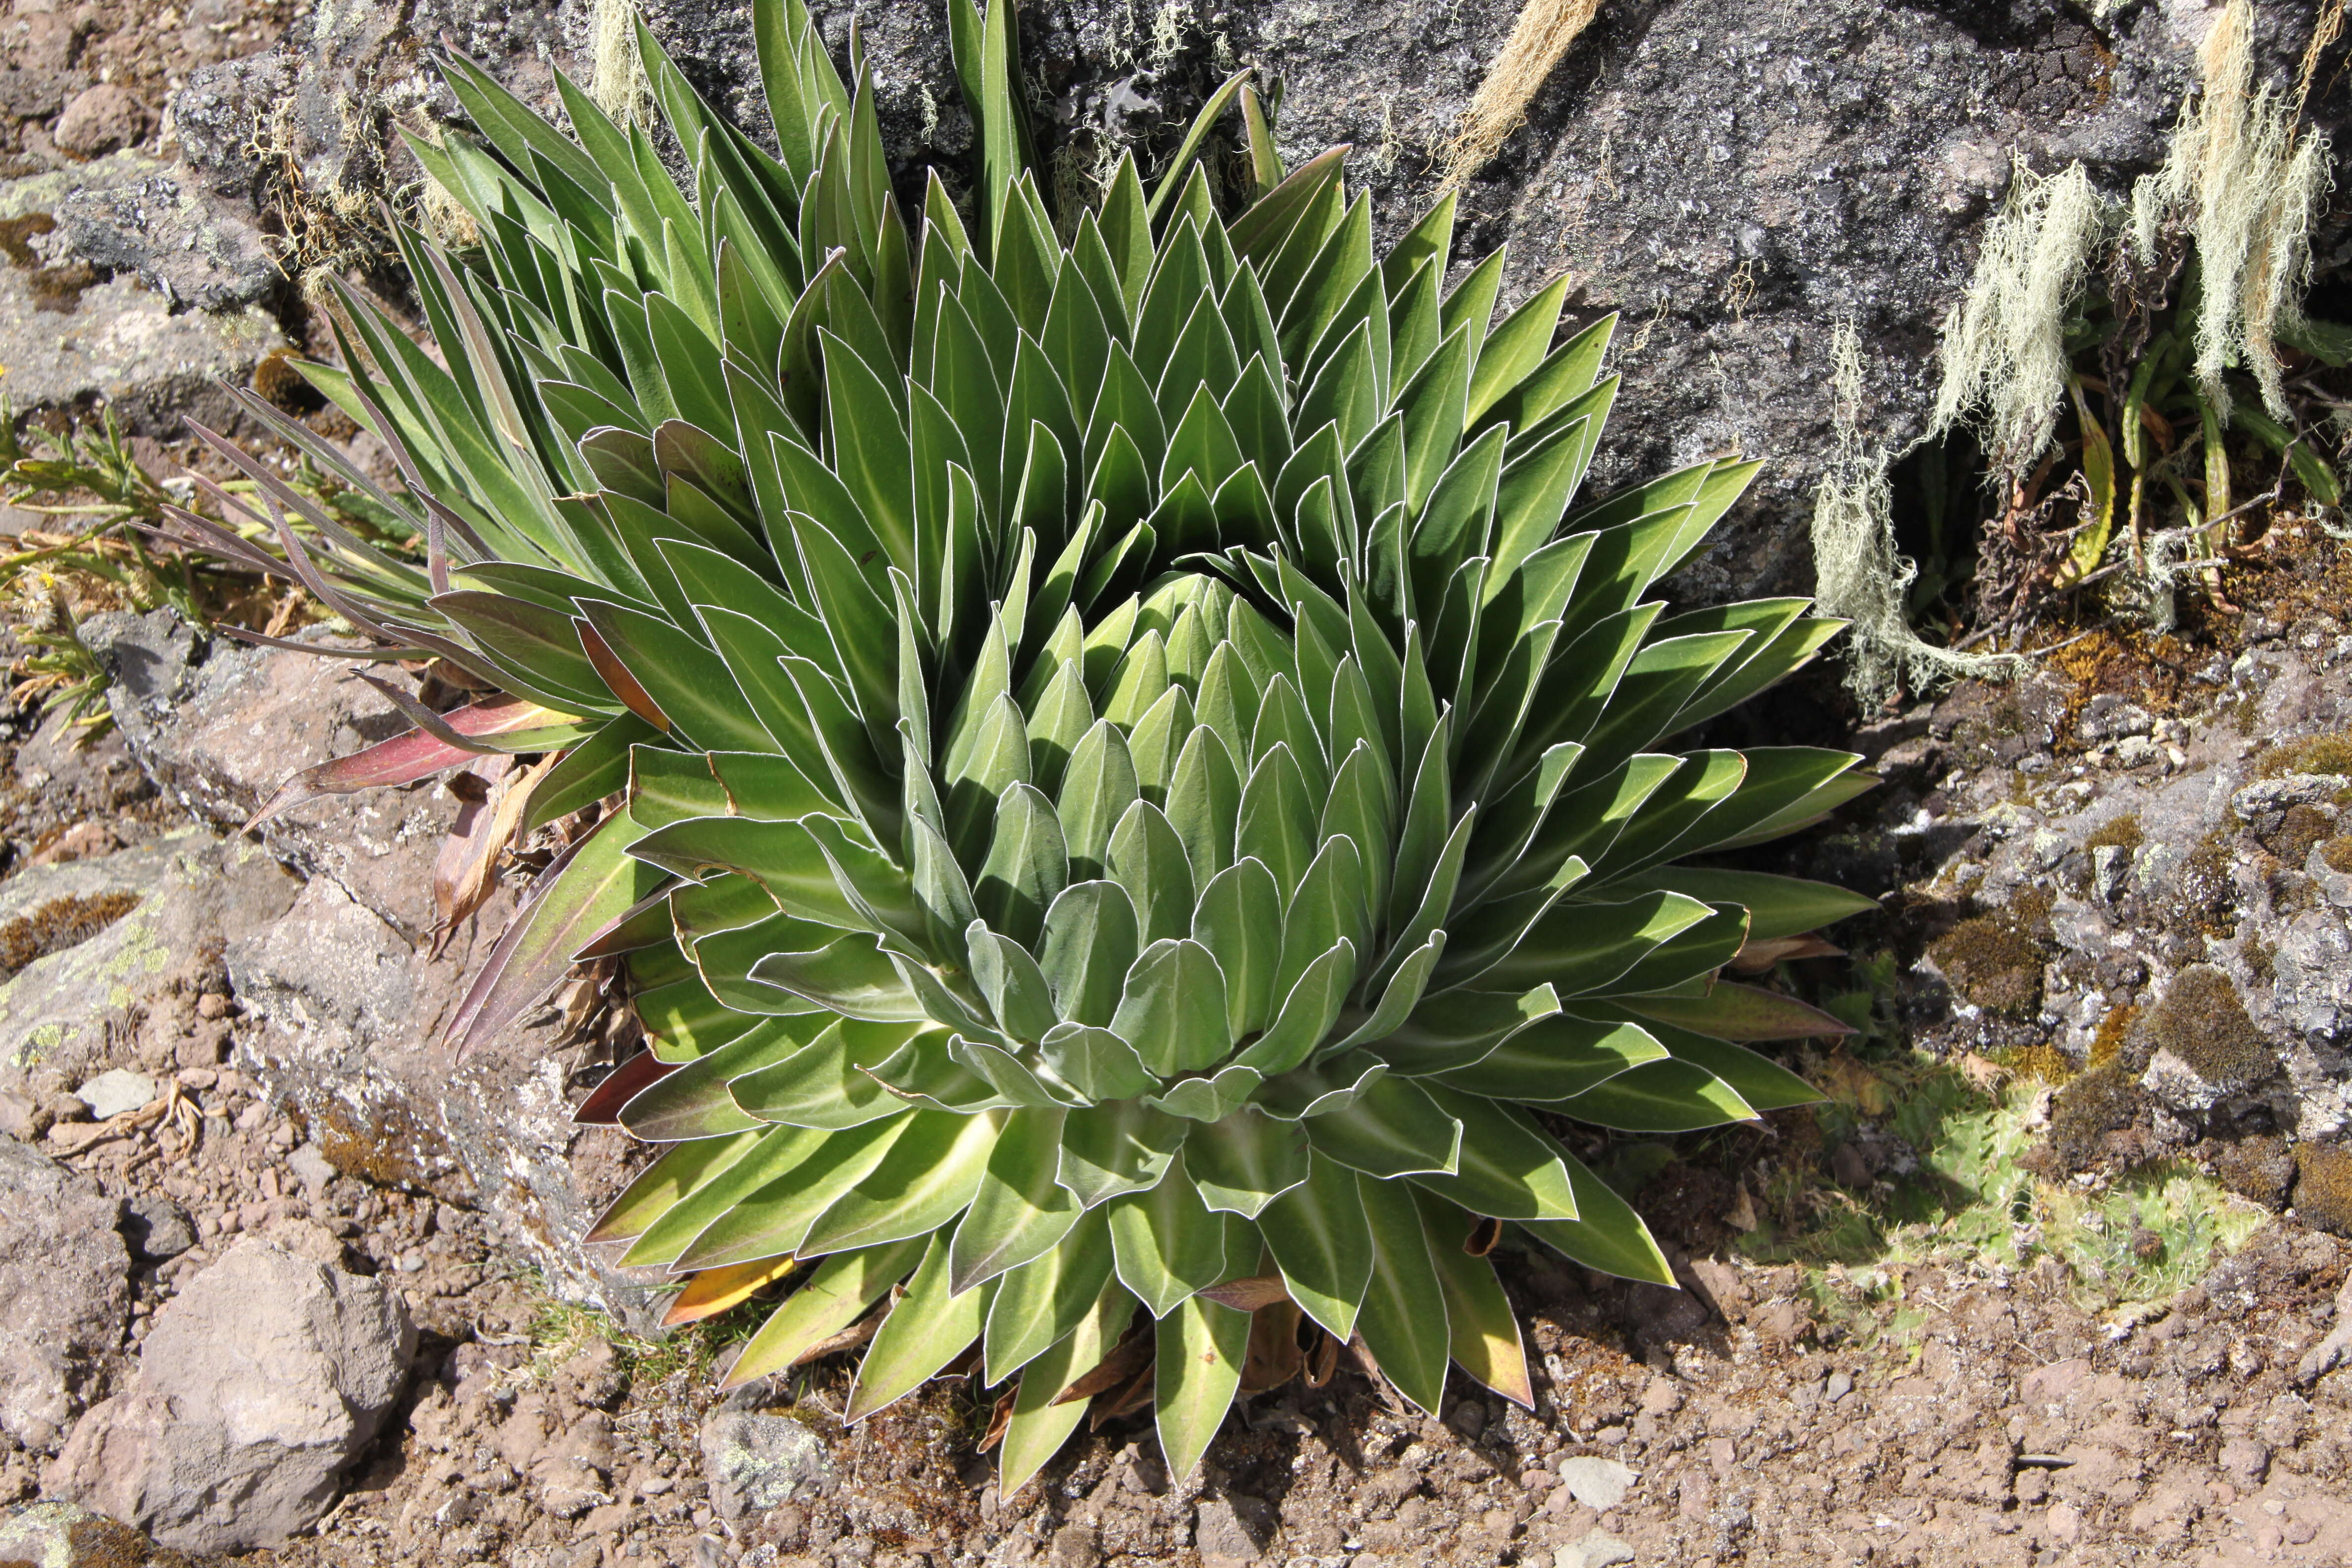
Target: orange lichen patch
{"type": "Point", "coordinates": [2122, 662]}
{"type": "Point", "coordinates": [2044, 1063]}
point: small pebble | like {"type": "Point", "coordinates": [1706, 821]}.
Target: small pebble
{"type": "Point", "coordinates": [1841, 1384]}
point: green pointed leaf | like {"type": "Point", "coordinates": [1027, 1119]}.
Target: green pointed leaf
{"type": "Point", "coordinates": [931, 1326]}
{"type": "Point", "coordinates": [1607, 1236]}
{"type": "Point", "coordinates": [1403, 1320]}
{"type": "Point", "coordinates": [1390, 1129]}
{"type": "Point", "coordinates": [1038, 1426]}
{"type": "Point", "coordinates": [1510, 1169]}
{"type": "Point", "coordinates": [1322, 1244]}
{"type": "Point", "coordinates": [1173, 1009]}
{"type": "Point", "coordinates": [834, 1298]}
{"type": "Point", "coordinates": [1018, 1212]}
{"type": "Point", "coordinates": [1199, 1350]}
{"type": "Point", "coordinates": [1040, 1303]}
{"type": "Point", "coordinates": [1167, 1244]}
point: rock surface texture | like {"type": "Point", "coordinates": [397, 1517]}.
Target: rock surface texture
{"type": "Point", "coordinates": [344, 995]}
{"type": "Point", "coordinates": [261, 1381]}
{"type": "Point", "coordinates": [63, 1295]}
{"type": "Point", "coordinates": [1732, 176]}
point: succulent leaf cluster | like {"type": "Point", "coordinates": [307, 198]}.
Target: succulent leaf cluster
{"type": "Point", "coordinates": [1134, 791]}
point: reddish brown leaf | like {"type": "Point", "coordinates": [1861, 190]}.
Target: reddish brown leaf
{"type": "Point", "coordinates": [1133, 1350]}
{"type": "Point", "coordinates": [404, 759]}
{"type": "Point", "coordinates": [1248, 1295]}
{"type": "Point", "coordinates": [1484, 1234]}
{"type": "Point", "coordinates": [999, 1418]}
{"type": "Point", "coordinates": [616, 677]}
{"type": "Point", "coordinates": [1324, 1362]}
{"type": "Point", "coordinates": [602, 1106]}
{"type": "Point", "coordinates": [1741, 1013]}
{"type": "Point", "coordinates": [1124, 1402]}
{"type": "Point", "coordinates": [1273, 1357]}
{"type": "Point", "coordinates": [1758, 956]}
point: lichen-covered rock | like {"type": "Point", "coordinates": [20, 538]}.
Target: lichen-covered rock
{"type": "Point", "coordinates": [754, 1463]}
{"type": "Point", "coordinates": [260, 1381]}
{"type": "Point", "coordinates": [63, 1293]}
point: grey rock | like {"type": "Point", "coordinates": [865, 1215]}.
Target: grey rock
{"type": "Point", "coordinates": [1232, 1532]}
{"type": "Point", "coordinates": [1840, 1385]}
{"type": "Point", "coordinates": [259, 1382]}
{"type": "Point", "coordinates": [1596, 1550]}
{"type": "Point", "coordinates": [63, 1008]}
{"type": "Point", "coordinates": [753, 1463]}
{"type": "Point", "coordinates": [2260, 804]}
{"type": "Point", "coordinates": [220, 726]}
{"type": "Point", "coordinates": [2337, 885]}
{"type": "Point", "coordinates": [193, 248]}
{"type": "Point", "coordinates": [155, 1228]}
{"type": "Point", "coordinates": [2108, 717]}
{"type": "Point", "coordinates": [48, 908]}
{"type": "Point", "coordinates": [70, 337]}
{"type": "Point", "coordinates": [1597, 1483]}
{"type": "Point", "coordinates": [347, 1003]}
{"type": "Point", "coordinates": [64, 1292]}
{"type": "Point", "coordinates": [116, 1091]}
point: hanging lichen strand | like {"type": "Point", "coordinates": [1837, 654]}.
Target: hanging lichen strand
{"type": "Point", "coordinates": [1128, 796]}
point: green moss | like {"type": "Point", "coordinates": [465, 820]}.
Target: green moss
{"type": "Point", "coordinates": [2312, 754]}
{"type": "Point", "coordinates": [2323, 1187]}
{"type": "Point", "coordinates": [2104, 1100]}
{"type": "Point", "coordinates": [2259, 1166]}
{"type": "Point", "coordinates": [2122, 833]}
{"type": "Point", "coordinates": [2201, 1021]}
{"type": "Point", "coordinates": [2302, 830]}
{"type": "Point", "coordinates": [1993, 964]}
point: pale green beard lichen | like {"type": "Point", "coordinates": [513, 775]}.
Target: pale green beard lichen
{"type": "Point", "coordinates": [1859, 573]}
{"type": "Point", "coordinates": [2004, 345]}
{"type": "Point", "coordinates": [617, 78]}
{"type": "Point", "coordinates": [2247, 187]}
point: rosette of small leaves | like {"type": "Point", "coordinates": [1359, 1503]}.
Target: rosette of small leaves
{"type": "Point", "coordinates": [1140, 794]}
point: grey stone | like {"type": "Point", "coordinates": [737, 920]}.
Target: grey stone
{"type": "Point", "coordinates": [116, 1091]}
{"type": "Point", "coordinates": [64, 1292]}
{"type": "Point", "coordinates": [193, 248]}
{"type": "Point", "coordinates": [1597, 1550]}
{"type": "Point", "coordinates": [753, 1463]}
{"type": "Point", "coordinates": [48, 908]}
{"type": "Point", "coordinates": [156, 1227]}
{"type": "Point", "coordinates": [1597, 1483]}
{"type": "Point", "coordinates": [63, 1009]}
{"type": "Point", "coordinates": [2108, 717]}
{"type": "Point", "coordinates": [259, 1382]}
{"type": "Point", "coordinates": [68, 342]}
{"type": "Point", "coordinates": [347, 1003]}
{"type": "Point", "coordinates": [1232, 1532]}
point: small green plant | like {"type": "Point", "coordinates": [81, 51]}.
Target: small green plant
{"type": "Point", "coordinates": [1125, 794]}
